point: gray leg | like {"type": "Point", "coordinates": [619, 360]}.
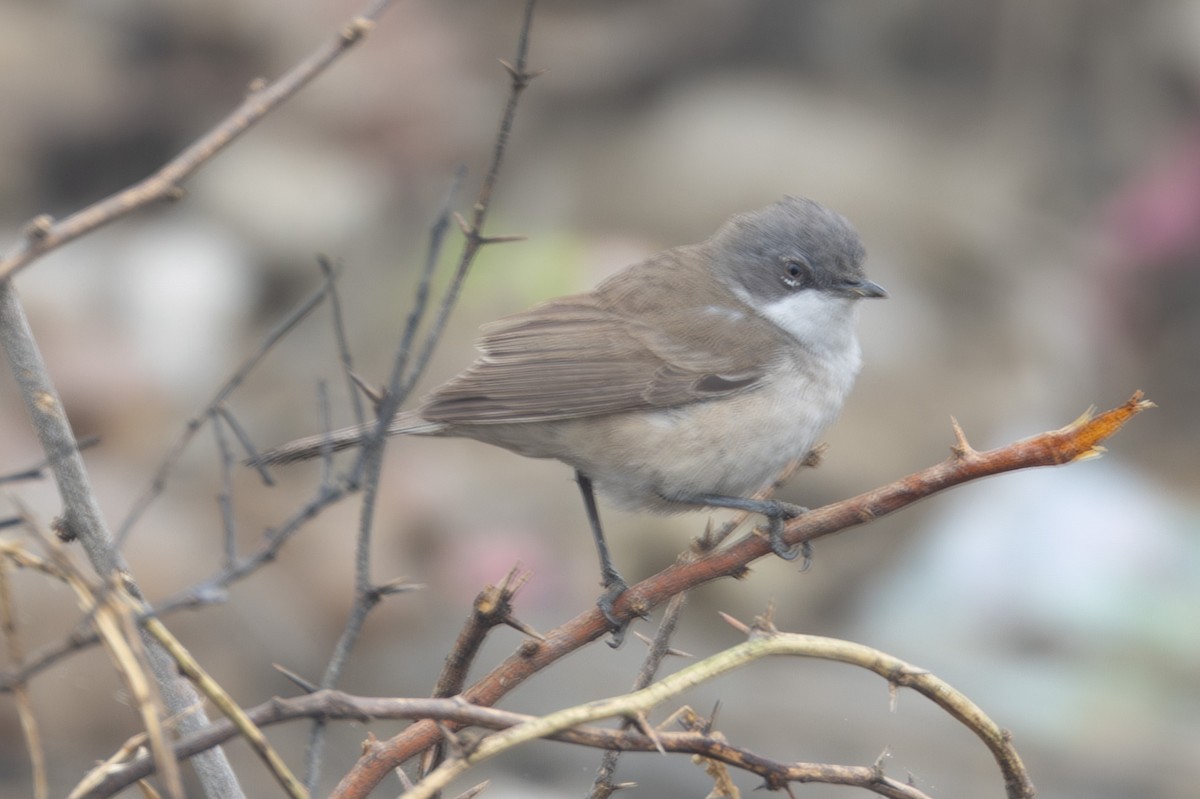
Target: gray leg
{"type": "Point", "coordinates": [610, 579]}
{"type": "Point", "coordinates": [775, 511]}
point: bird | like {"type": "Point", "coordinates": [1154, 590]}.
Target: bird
{"type": "Point", "coordinates": [687, 380]}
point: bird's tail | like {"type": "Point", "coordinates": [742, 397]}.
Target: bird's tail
{"type": "Point", "coordinates": [302, 449]}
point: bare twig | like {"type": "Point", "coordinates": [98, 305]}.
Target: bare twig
{"type": "Point", "coordinates": [83, 520]}
{"type": "Point", "coordinates": [193, 425]}
{"type": "Point", "coordinates": [1076, 441]}
{"type": "Point", "coordinates": [16, 653]}
{"type": "Point", "coordinates": [219, 697]}
{"type": "Point", "coordinates": [369, 464]}
{"type": "Point", "coordinates": [127, 650]}
{"type": "Point", "coordinates": [201, 594]}
{"type": "Point", "coordinates": [473, 230]}
{"type": "Point", "coordinates": [603, 786]}
{"type": "Point", "coordinates": [331, 705]}
{"type": "Point", "coordinates": [38, 470]}
{"type": "Point", "coordinates": [763, 643]}
{"type": "Point", "coordinates": [339, 334]}
{"type": "Point", "coordinates": [225, 497]}
{"type": "Point", "coordinates": [367, 470]}
{"type": "Point", "coordinates": [44, 234]}
{"type": "Point", "coordinates": [492, 607]}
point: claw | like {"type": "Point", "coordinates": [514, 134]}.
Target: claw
{"type": "Point", "coordinates": [614, 586]}
{"type": "Point", "coordinates": [775, 535]}
{"type": "Point", "coordinates": [778, 546]}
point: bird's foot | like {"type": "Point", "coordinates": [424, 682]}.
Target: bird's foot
{"type": "Point", "coordinates": [614, 585]}
{"type": "Point", "coordinates": [775, 520]}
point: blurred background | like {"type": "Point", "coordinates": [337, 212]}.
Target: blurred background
{"type": "Point", "coordinates": [1026, 177]}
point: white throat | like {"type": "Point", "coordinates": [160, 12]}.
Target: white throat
{"type": "Point", "coordinates": [814, 318]}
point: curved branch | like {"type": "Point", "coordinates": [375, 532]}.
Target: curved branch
{"type": "Point", "coordinates": [1076, 441]}
{"type": "Point", "coordinates": [761, 644]}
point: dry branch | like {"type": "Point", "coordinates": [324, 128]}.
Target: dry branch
{"type": "Point", "coordinates": [1076, 441]}
{"type": "Point", "coordinates": [43, 233]}
{"type": "Point", "coordinates": [331, 705]}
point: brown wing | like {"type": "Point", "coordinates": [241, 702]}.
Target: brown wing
{"type": "Point", "coordinates": [580, 356]}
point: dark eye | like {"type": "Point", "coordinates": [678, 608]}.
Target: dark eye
{"type": "Point", "coordinates": [796, 272]}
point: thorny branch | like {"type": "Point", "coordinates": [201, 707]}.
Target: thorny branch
{"type": "Point", "coordinates": [1079, 440]}
{"type": "Point", "coordinates": [332, 705]}
{"type": "Point", "coordinates": [369, 465]}
{"type": "Point", "coordinates": [81, 516]}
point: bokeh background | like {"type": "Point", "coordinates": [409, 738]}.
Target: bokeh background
{"type": "Point", "coordinates": [1025, 174]}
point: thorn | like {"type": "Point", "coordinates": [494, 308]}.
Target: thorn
{"type": "Point", "coordinates": [884, 755]}
{"type": "Point", "coordinates": [741, 627]}
{"type": "Point", "coordinates": [520, 78]}
{"type": "Point", "coordinates": [648, 641]}
{"type": "Point", "coordinates": [500, 239]}
{"type": "Point", "coordinates": [455, 746]}
{"type": "Point", "coordinates": [711, 721]}
{"type": "Point", "coordinates": [471, 793]}
{"type": "Point", "coordinates": [463, 225]}
{"type": "Point", "coordinates": [961, 447]}
{"type": "Point", "coordinates": [520, 626]}
{"type": "Point", "coordinates": [374, 393]}
{"type": "Point", "coordinates": [639, 720]}
{"type": "Point", "coordinates": [400, 585]}
{"type": "Point", "coordinates": [304, 685]}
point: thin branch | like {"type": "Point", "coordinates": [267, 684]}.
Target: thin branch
{"type": "Point", "coordinates": [204, 593]}
{"type": "Point", "coordinates": [159, 482]}
{"type": "Point", "coordinates": [129, 653]}
{"type": "Point", "coordinates": [437, 239]}
{"type": "Point", "coordinates": [44, 234]}
{"type": "Point", "coordinates": [370, 463]}
{"type": "Point", "coordinates": [38, 470]}
{"type": "Point", "coordinates": [339, 334]}
{"type": "Point", "coordinates": [492, 607]}
{"type": "Point", "coordinates": [1076, 441]}
{"type": "Point", "coordinates": [16, 654]}
{"type": "Point", "coordinates": [83, 520]}
{"type": "Point", "coordinates": [603, 786]}
{"type": "Point", "coordinates": [330, 704]}
{"type": "Point", "coordinates": [760, 645]}
{"type": "Point", "coordinates": [473, 231]}
{"type": "Point", "coordinates": [219, 697]}
{"type": "Point", "coordinates": [225, 496]}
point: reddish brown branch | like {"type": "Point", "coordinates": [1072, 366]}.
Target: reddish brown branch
{"type": "Point", "coordinates": [1076, 441]}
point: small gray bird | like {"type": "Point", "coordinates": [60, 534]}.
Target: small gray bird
{"type": "Point", "coordinates": [688, 380]}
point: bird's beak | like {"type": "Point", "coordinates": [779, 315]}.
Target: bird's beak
{"type": "Point", "coordinates": [866, 288]}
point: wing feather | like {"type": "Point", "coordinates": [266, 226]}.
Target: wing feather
{"type": "Point", "coordinates": [578, 356]}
